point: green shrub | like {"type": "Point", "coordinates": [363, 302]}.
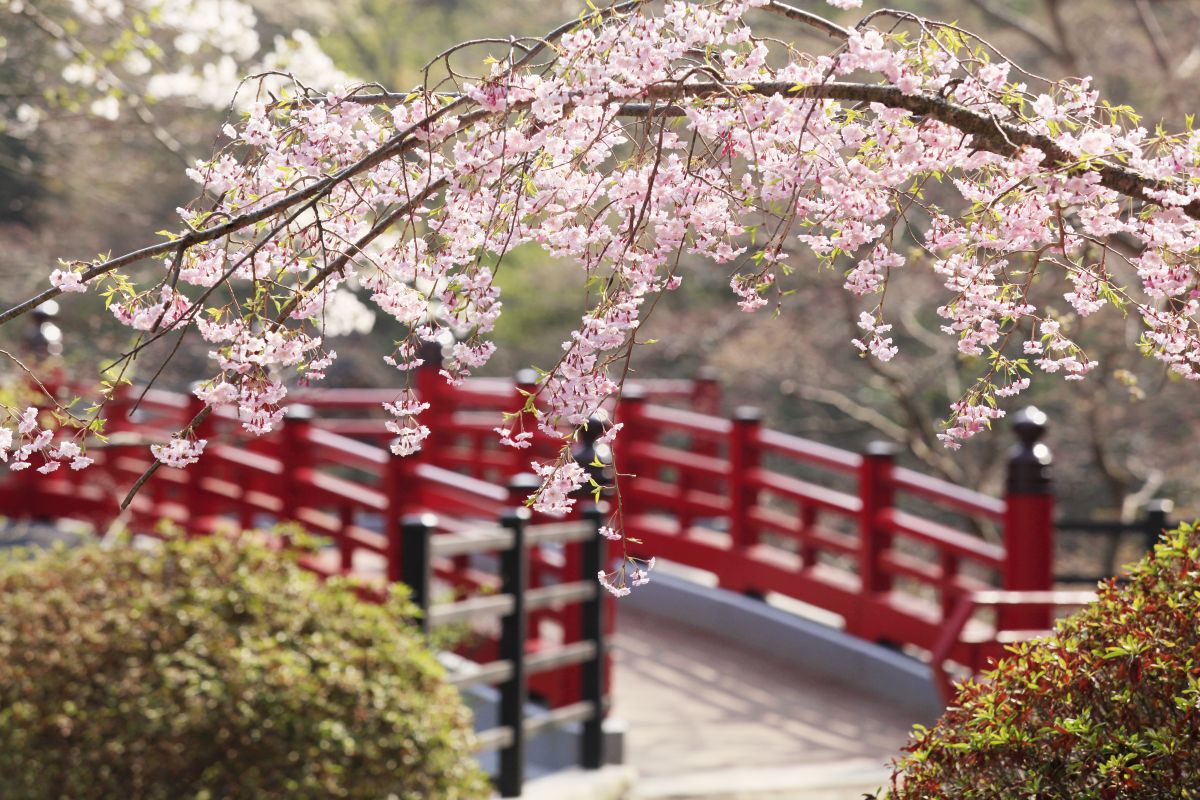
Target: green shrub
{"type": "Point", "coordinates": [216, 668]}
{"type": "Point", "coordinates": [1108, 708]}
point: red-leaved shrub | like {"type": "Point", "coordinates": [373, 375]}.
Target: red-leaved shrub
{"type": "Point", "coordinates": [1107, 708]}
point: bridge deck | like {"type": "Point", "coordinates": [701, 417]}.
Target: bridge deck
{"type": "Point", "coordinates": [695, 703]}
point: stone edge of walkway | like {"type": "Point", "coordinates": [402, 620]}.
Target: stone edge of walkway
{"type": "Point", "coordinates": [844, 780]}
{"type": "Point", "coordinates": [879, 672]}
{"type": "Point", "coordinates": [607, 783]}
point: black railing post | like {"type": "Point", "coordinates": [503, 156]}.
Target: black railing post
{"type": "Point", "coordinates": [1156, 520]}
{"type": "Point", "coordinates": [416, 567]}
{"type": "Point", "coordinates": [587, 455]}
{"type": "Point", "coordinates": [592, 630]}
{"type": "Point", "coordinates": [514, 692]}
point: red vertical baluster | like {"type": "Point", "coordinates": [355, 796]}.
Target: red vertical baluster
{"type": "Point", "coordinates": [402, 490]}
{"type": "Point", "coordinates": [876, 493]}
{"type": "Point", "coordinates": [433, 389]}
{"type": "Point", "coordinates": [744, 460]}
{"type": "Point", "coordinates": [295, 453]}
{"type": "Point", "coordinates": [345, 547]}
{"type": "Point", "coordinates": [706, 399]}
{"type": "Point", "coordinates": [706, 392]}
{"type": "Point", "coordinates": [524, 385]}
{"type": "Point", "coordinates": [808, 522]}
{"type": "Point", "coordinates": [948, 593]}
{"type": "Point", "coordinates": [1028, 521]}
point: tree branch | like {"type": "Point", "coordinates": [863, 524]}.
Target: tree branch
{"type": "Point", "coordinates": [988, 133]}
{"type": "Point", "coordinates": [827, 27]}
{"type": "Point", "coordinates": [399, 143]}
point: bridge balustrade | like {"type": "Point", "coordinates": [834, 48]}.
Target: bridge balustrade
{"type": "Point", "coordinates": [897, 555]}
{"type": "Point", "coordinates": [765, 512]}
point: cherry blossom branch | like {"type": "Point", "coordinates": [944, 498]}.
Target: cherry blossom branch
{"type": "Point", "coordinates": [990, 134]}
{"type": "Point", "coordinates": [183, 433]}
{"type": "Point", "coordinates": [399, 143]}
{"type": "Point", "coordinates": [534, 153]}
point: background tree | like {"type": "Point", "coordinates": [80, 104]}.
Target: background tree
{"type": "Point", "coordinates": [635, 139]}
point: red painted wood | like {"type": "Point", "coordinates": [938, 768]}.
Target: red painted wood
{"type": "Point", "coordinates": [1029, 554]}
{"type": "Point", "coordinates": [876, 495]}
{"type": "Point", "coordinates": [765, 512]}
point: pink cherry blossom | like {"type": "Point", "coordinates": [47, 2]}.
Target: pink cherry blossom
{"type": "Point", "coordinates": [179, 452]}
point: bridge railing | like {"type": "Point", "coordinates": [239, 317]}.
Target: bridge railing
{"type": "Point", "coordinates": [462, 419]}
{"type": "Point", "coordinates": [349, 491]}
{"type": "Point", "coordinates": [991, 644]}
{"type": "Point", "coordinates": [516, 601]}
{"type": "Point", "coordinates": [763, 511]}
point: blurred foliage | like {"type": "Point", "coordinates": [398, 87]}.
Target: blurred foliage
{"type": "Point", "coordinates": [217, 667]}
{"type": "Point", "coordinates": [390, 41]}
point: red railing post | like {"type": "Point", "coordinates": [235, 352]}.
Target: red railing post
{"type": "Point", "coordinates": [706, 392]}
{"type": "Point", "coordinates": [295, 455]}
{"type": "Point", "coordinates": [1028, 521]}
{"type": "Point", "coordinates": [433, 389]}
{"type": "Point", "coordinates": [876, 493]}
{"type": "Point", "coordinates": [706, 399]}
{"type": "Point", "coordinates": [630, 413]}
{"type": "Point", "coordinates": [744, 458]}
{"type": "Point", "coordinates": [345, 547]}
{"type": "Point", "coordinates": [403, 493]}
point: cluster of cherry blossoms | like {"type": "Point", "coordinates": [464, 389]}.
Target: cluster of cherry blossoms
{"type": "Point", "coordinates": [179, 452]}
{"type": "Point", "coordinates": [27, 439]}
{"type": "Point", "coordinates": [644, 144]}
{"type": "Point", "coordinates": [409, 434]}
{"type": "Point", "coordinates": [632, 573]}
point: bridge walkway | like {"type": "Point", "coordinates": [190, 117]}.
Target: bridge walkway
{"type": "Point", "coordinates": [704, 713]}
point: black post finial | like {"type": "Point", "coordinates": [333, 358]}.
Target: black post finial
{"type": "Point", "coordinates": [587, 453]}
{"type": "Point", "coordinates": [880, 448]}
{"type": "Point", "coordinates": [301, 412]}
{"type": "Point", "coordinates": [431, 353]}
{"type": "Point", "coordinates": [1029, 459]}
{"type": "Point", "coordinates": [521, 486]}
{"type": "Point", "coordinates": [747, 414]}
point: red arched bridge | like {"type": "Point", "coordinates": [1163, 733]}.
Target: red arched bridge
{"type": "Point", "coordinates": [902, 558]}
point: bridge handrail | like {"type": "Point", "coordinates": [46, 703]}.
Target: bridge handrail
{"type": "Point", "coordinates": [681, 482]}
{"type": "Point", "coordinates": [745, 502]}
{"type": "Point", "coordinates": [515, 605]}
{"type": "Point", "coordinates": [704, 426]}
{"type": "Point", "coordinates": [992, 644]}
{"type": "Point", "coordinates": [943, 537]}
{"type": "Point", "coordinates": [947, 494]}
{"type": "Point", "coordinates": [786, 444]}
